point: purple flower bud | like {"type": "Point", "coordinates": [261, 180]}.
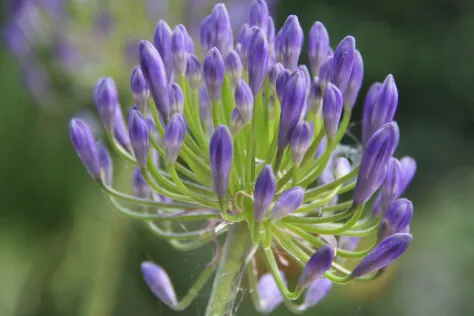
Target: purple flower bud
{"type": "Point", "coordinates": [155, 74]}
{"type": "Point", "coordinates": [139, 137]}
{"type": "Point", "coordinates": [83, 141]}
{"type": "Point", "coordinates": [342, 167]}
{"type": "Point", "coordinates": [243, 44]}
{"type": "Point", "coordinates": [193, 71]}
{"type": "Point", "coordinates": [270, 34]}
{"type": "Point", "coordinates": [139, 88]}
{"type": "Point", "coordinates": [390, 187]}
{"type": "Point", "coordinates": [120, 129]}
{"type": "Point", "coordinates": [318, 290]}
{"type": "Point", "coordinates": [176, 99]}
{"type": "Point", "coordinates": [213, 71]}
{"type": "Point", "coordinates": [291, 107]}
{"type": "Point", "coordinates": [179, 50]}
{"type": "Point", "coordinates": [140, 186]}
{"type": "Point", "coordinates": [315, 96]}
{"type": "Point", "coordinates": [106, 99]}
{"type": "Point", "coordinates": [318, 46]}
{"type": "Point", "coordinates": [207, 34]}
{"type": "Point", "coordinates": [396, 219]}
{"type": "Point", "coordinates": [162, 42]}
{"type": "Point", "coordinates": [264, 193]}
{"type": "Point", "coordinates": [105, 162]}
{"type": "Point", "coordinates": [220, 149]}
{"type": "Point", "coordinates": [205, 110]}
{"type": "Point", "coordinates": [319, 263]}
{"type": "Point", "coordinates": [342, 63]}
{"type": "Point", "coordinates": [355, 81]}
{"type": "Point", "coordinates": [174, 137]}
{"type": "Point", "coordinates": [244, 100]}
{"type": "Point", "coordinates": [383, 255]}
{"type": "Point", "coordinates": [274, 72]}
{"type": "Point", "coordinates": [257, 59]}
{"type": "Point", "coordinates": [373, 167]}
{"type": "Point", "coordinates": [304, 70]}
{"type": "Point", "coordinates": [159, 283]}
{"type": "Point", "coordinates": [236, 122]}
{"type": "Point", "coordinates": [348, 243]}
{"type": "Point", "coordinates": [384, 108]}
{"type": "Point", "coordinates": [291, 39]}
{"type": "Point", "coordinates": [288, 202]}
{"type": "Point", "coordinates": [409, 170]}
{"type": "Point", "coordinates": [332, 110]}
{"type": "Point", "coordinates": [259, 14]}
{"type": "Point", "coordinates": [369, 104]}
{"type": "Point", "coordinates": [188, 41]}
{"type": "Point", "coordinates": [233, 66]}
{"type": "Point", "coordinates": [300, 141]}
{"type": "Point", "coordinates": [325, 72]}
{"type": "Point", "coordinates": [223, 29]}
{"type": "Point", "coordinates": [282, 83]}
{"type": "Point", "coordinates": [268, 292]}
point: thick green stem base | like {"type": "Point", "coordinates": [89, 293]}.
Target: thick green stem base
{"type": "Point", "coordinates": [235, 257]}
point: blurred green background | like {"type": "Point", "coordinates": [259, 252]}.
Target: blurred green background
{"type": "Point", "coordinates": [63, 251]}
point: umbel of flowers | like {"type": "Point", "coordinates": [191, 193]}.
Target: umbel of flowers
{"type": "Point", "coordinates": [248, 143]}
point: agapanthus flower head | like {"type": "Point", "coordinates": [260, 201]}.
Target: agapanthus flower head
{"type": "Point", "coordinates": [256, 150]}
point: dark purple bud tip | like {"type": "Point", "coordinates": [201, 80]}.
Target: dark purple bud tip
{"type": "Point", "coordinates": [268, 292]}
{"type": "Point", "coordinates": [220, 149]}
{"type": "Point", "coordinates": [105, 162]}
{"type": "Point", "coordinates": [319, 263]}
{"type": "Point", "coordinates": [259, 14]}
{"type": "Point", "coordinates": [318, 46]}
{"type": "Point", "coordinates": [383, 255]}
{"type": "Point", "coordinates": [159, 283]}
{"type": "Point", "coordinates": [257, 55]}
{"type": "Point", "coordinates": [174, 137]}
{"type": "Point", "coordinates": [342, 63]}
{"type": "Point", "coordinates": [355, 81]}
{"type": "Point", "coordinates": [300, 141]}
{"type": "Point", "coordinates": [373, 167]}
{"type": "Point", "coordinates": [233, 66]}
{"type": "Point", "coordinates": [244, 100]}
{"type": "Point", "coordinates": [288, 202]}
{"type": "Point", "coordinates": [193, 71]}
{"type": "Point", "coordinates": [140, 186]}
{"type": "Point", "coordinates": [155, 74]}
{"type": "Point", "coordinates": [332, 110]}
{"type": "Point", "coordinates": [176, 99]}
{"type": "Point", "coordinates": [409, 170]}
{"type": "Point", "coordinates": [318, 290]}
{"type": "Point", "coordinates": [291, 39]}
{"type": "Point", "coordinates": [83, 141]}
{"type": "Point", "coordinates": [390, 187]}
{"type": "Point", "coordinates": [396, 219]}
{"type": "Point", "coordinates": [264, 193]}
{"type": "Point", "coordinates": [179, 50]}
{"type": "Point", "coordinates": [139, 137]}
{"type": "Point", "coordinates": [292, 106]}
{"type": "Point", "coordinates": [106, 99]}
{"type": "Point", "coordinates": [213, 72]}
{"type": "Point", "coordinates": [139, 88]}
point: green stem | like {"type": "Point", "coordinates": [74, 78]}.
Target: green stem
{"type": "Point", "coordinates": [236, 254]}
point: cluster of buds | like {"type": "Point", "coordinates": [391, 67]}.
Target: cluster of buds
{"type": "Point", "coordinates": [63, 37]}
{"type": "Point", "coordinates": [252, 138]}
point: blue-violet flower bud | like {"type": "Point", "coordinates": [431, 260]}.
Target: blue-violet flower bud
{"type": "Point", "coordinates": [332, 110]}
{"type": "Point", "coordinates": [319, 263]}
{"type": "Point", "coordinates": [213, 72]}
{"type": "Point", "coordinates": [159, 283]}
{"type": "Point", "coordinates": [221, 159]}
{"type": "Point", "coordinates": [83, 141]}
{"type": "Point", "coordinates": [139, 137]}
{"type": "Point", "coordinates": [288, 202]}
{"type": "Point", "coordinates": [265, 188]}
{"type": "Point", "coordinates": [396, 219]}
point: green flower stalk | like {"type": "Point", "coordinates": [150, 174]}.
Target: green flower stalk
{"type": "Point", "coordinates": [250, 146]}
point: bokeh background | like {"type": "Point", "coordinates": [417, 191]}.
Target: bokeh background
{"type": "Point", "coordinates": [63, 251]}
